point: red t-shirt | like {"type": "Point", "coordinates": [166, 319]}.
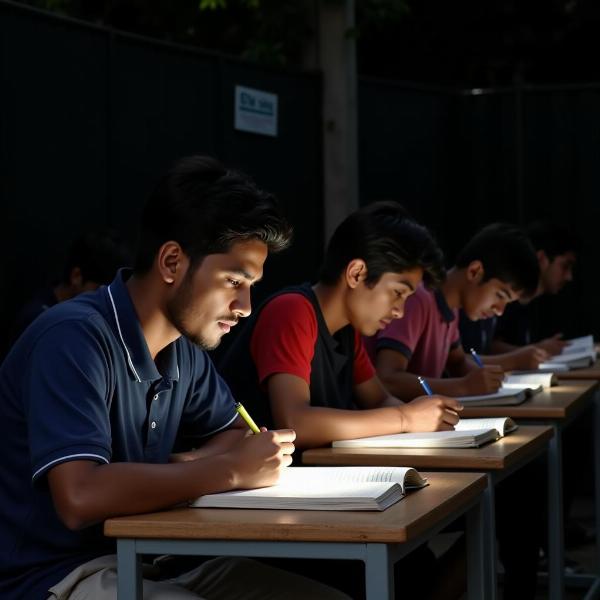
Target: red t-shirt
{"type": "Point", "coordinates": [284, 338]}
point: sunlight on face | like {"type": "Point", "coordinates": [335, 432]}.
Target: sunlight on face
{"type": "Point", "coordinates": [213, 296]}
{"type": "Point", "coordinates": [373, 308]}
{"type": "Point", "coordinates": [488, 299]}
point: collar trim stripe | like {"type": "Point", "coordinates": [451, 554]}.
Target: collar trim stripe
{"type": "Point", "coordinates": [121, 336]}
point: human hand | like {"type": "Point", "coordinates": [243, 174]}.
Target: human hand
{"type": "Point", "coordinates": [258, 459]}
{"type": "Point", "coordinates": [430, 413]}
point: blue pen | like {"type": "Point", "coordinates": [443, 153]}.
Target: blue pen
{"type": "Point", "coordinates": [476, 358]}
{"type": "Point", "coordinates": [425, 386]}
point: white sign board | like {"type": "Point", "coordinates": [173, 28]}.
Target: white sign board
{"type": "Point", "coordinates": [255, 111]}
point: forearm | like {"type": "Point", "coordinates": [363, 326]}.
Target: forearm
{"type": "Point", "coordinates": [506, 360]}
{"type": "Point", "coordinates": [501, 347]}
{"type": "Point", "coordinates": [103, 491]}
{"type": "Point", "coordinates": [218, 444]}
{"type": "Point", "coordinates": [406, 386]}
{"type": "Point", "coordinates": [319, 426]}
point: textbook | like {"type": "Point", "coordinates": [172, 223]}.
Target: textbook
{"type": "Point", "coordinates": [530, 379]}
{"type": "Point", "coordinates": [468, 433]}
{"type": "Point", "coordinates": [503, 397]}
{"type": "Point", "coordinates": [570, 360]}
{"type": "Point", "coordinates": [580, 344]}
{"type": "Point", "coordinates": [324, 488]}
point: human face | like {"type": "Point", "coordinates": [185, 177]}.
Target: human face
{"type": "Point", "coordinates": [555, 274]}
{"type": "Point", "coordinates": [373, 308]}
{"type": "Point", "coordinates": [213, 297]}
{"type": "Point", "coordinates": [488, 299]}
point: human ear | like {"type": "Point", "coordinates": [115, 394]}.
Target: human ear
{"type": "Point", "coordinates": [169, 259]}
{"type": "Point", "coordinates": [356, 271]}
{"type": "Point", "coordinates": [475, 271]}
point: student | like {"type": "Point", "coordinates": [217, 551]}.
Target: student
{"type": "Point", "coordinates": [479, 336]}
{"type": "Point", "coordinates": [92, 260]}
{"type": "Point", "coordinates": [520, 338]}
{"type": "Point", "coordinates": [524, 322]}
{"type": "Point", "coordinates": [427, 341]}
{"type": "Point", "coordinates": [300, 362]}
{"type": "Point", "coordinates": [95, 393]}
{"type": "Point", "coordinates": [495, 267]}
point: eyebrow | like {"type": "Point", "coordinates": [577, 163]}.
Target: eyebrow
{"type": "Point", "coordinates": [244, 274]}
{"type": "Point", "coordinates": [508, 293]}
{"type": "Point", "coordinates": [408, 284]}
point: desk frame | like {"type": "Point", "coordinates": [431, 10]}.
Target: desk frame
{"type": "Point", "coordinates": [556, 542]}
{"type": "Point", "coordinates": [379, 558]}
{"type": "Point", "coordinates": [494, 477]}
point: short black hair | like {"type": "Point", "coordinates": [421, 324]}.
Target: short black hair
{"type": "Point", "coordinates": [554, 239]}
{"type": "Point", "coordinates": [98, 254]}
{"type": "Point", "coordinates": [207, 208]}
{"type": "Point", "coordinates": [388, 240]}
{"type": "Point", "coordinates": [506, 253]}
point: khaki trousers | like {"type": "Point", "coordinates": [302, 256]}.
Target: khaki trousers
{"type": "Point", "coordinates": [221, 578]}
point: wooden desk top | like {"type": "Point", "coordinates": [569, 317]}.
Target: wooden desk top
{"type": "Point", "coordinates": [505, 452]}
{"type": "Point", "coordinates": [592, 372]}
{"type": "Point", "coordinates": [560, 402]}
{"type": "Point", "coordinates": [408, 518]}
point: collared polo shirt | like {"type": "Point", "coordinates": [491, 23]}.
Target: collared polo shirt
{"type": "Point", "coordinates": [80, 384]}
{"type": "Point", "coordinates": [425, 335]}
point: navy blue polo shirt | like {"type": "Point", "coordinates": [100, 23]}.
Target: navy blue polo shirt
{"type": "Point", "coordinates": [80, 384]}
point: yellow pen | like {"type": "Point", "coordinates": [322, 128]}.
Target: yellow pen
{"type": "Point", "coordinates": [244, 414]}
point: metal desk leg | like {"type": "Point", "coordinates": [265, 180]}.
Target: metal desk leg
{"type": "Point", "coordinates": [379, 574]}
{"type": "Point", "coordinates": [556, 560]}
{"type": "Point", "coordinates": [478, 586]}
{"type": "Point", "coordinates": [596, 431]}
{"type": "Point", "coordinates": [489, 538]}
{"type": "Point", "coordinates": [129, 571]}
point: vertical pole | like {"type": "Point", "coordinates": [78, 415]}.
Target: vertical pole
{"type": "Point", "coordinates": [336, 49]}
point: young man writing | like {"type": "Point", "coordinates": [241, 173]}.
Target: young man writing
{"type": "Point", "coordinates": [521, 338]}
{"type": "Point", "coordinates": [496, 267]}
{"type": "Point", "coordinates": [96, 393]}
{"type": "Point", "coordinates": [300, 361]}
{"type": "Point", "coordinates": [524, 322]}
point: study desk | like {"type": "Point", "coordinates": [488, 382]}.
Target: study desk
{"type": "Point", "coordinates": [557, 407]}
{"type": "Point", "coordinates": [379, 539]}
{"type": "Point", "coordinates": [592, 372]}
{"type": "Point", "coordinates": [497, 460]}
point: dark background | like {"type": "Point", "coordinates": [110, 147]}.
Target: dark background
{"type": "Point", "coordinates": [90, 116]}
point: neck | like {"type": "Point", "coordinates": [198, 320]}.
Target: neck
{"type": "Point", "coordinates": [63, 292]}
{"type": "Point", "coordinates": [149, 306]}
{"type": "Point", "coordinates": [451, 287]}
{"type": "Point", "coordinates": [331, 302]}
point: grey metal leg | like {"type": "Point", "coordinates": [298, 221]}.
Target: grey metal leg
{"type": "Point", "coordinates": [489, 531]}
{"type": "Point", "coordinates": [478, 584]}
{"type": "Point", "coordinates": [129, 571]}
{"type": "Point", "coordinates": [556, 559]}
{"type": "Point", "coordinates": [596, 431]}
{"type": "Point", "coordinates": [379, 575]}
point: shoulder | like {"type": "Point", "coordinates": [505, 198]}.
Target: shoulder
{"type": "Point", "coordinates": [69, 327]}
{"type": "Point", "coordinates": [291, 309]}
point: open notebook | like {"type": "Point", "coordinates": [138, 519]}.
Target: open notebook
{"type": "Point", "coordinates": [579, 354]}
{"type": "Point", "coordinates": [530, 379]}
{"type": "Point", "coordinates": [324, 488]}
{"type": "Point", "coordinates": [468, 433]}
{"type": "Point", "coordinates": [503, 397]}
